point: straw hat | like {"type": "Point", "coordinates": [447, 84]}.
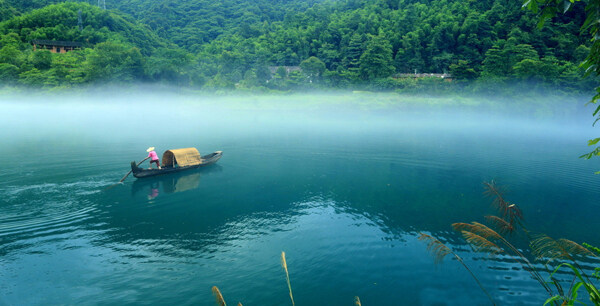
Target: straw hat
{"type": "Point", "coordinates": [150, 149]}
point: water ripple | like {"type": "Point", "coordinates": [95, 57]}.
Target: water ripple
{"type": "Point", "coordinates": [81, 188]}
{"type": "Point", "coordinates": [44, 224]}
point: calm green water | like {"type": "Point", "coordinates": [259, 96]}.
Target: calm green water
{"type": "Point", "coordinates": [343, 192]}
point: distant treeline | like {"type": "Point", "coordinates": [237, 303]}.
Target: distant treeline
{"type": "Point", "coordinates": [239, 44]}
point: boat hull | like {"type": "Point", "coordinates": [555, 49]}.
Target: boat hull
{"type": "Point", "coordinates": [206, 161]}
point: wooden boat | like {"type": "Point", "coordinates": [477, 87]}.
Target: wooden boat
{"type": "Point", "coordinates": [176, 161]}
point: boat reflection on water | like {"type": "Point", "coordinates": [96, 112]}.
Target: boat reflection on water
{"type": "Point", "coordinates": [193, 210]}
{"type": "Point", "coordinates": [171, 183]}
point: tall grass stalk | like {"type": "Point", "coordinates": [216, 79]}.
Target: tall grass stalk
{"type": "Point", "coordinates": [510, 212]}
{"type": "Point", "coordinates": [484, 233]}
{"type": "Point", "coordinates": [562, 249]}
{"type": "Point", "coordinates": [218, 296]}
{"type": "Point", "coordinates": [485, 239]}
{"type": "Point", "coordinates": [440, 250]}
{"type": "Point", "coordinates": [287, 276]}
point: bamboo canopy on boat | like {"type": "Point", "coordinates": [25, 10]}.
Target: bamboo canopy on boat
{"type": "Point", "coordinates": [181, 157]}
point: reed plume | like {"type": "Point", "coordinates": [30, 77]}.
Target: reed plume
{"type": "Point", "coordinates": [574, 248]}
{"type": "Point", "coordinates": [477, 228]}
{"type": "Point", "coordinates": [435, 247]}
{"type": "Point", "coordinates": [287, 276]}
{"type": "Point", "coordinates": [481, 244]}
{"type": "Point", "coordinates": [484, 232]}
{"type": "Point", "coordinates": [562, 249]}
{"type": "Point", "coordinates": [356, 301]}
{"type": "Point", "coordinates": [440, 250]}
{"type": "Point", "coordinates": [508, 211]}
{"type": "Point", "coordinates": [496, 192]}
{"type": "Point", "coordinates": [484, 239]}
{"type": "Point", "coordinates": [218, 296]}
{"type": "Point", "coordinates": [543, 246]}
{"type": "Point", "coordinates": [515, 215]}
{"type": "Point", "coordinates": [500, 224]}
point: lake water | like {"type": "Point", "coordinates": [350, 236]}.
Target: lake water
{"type": "Point", "coordinates": [343, 191]}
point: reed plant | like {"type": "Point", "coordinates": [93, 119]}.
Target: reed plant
{"type": "Point", "coordinates": [440, 250]}
{"type": "Point", "coordinates": [555, 255]}
{"type": "Point", "coordinates": [287, 276]}
{"type": "Point", "coordinates": [221, 301]}
{"type": "Point", "coordinates": [560, 254]}
{"type": "Point", "coordinates": [218, 296]}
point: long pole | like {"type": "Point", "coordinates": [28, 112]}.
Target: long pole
{"type": "Point", "coordinates": [126, 175]}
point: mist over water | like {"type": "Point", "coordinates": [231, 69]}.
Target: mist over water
{"type": "Point", "coordinates": [341, 182]}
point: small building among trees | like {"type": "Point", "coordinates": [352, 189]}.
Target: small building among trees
{"type": "Point", "coordinates": [55, 46]}
{"type": "Point", "coordinates": [444, 76]}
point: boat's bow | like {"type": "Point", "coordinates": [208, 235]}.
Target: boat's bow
{"type": "Point", "coordinates": [211, 158]}
{"type": "Point", "coordinates": [135, 169]}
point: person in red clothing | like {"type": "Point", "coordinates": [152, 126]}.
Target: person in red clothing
{"type": "Point", "coordinates": [153, 157]}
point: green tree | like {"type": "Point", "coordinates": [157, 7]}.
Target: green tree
{"type": "Point", "coordinates": [67, 68]}
{"type": "Point", "coordinates": [8, 73]}
{"type": "Point", "coordinates": [41, 59]}
{"type": "Point", "coordinates": [279, 80]}
{"type": "Point", "coordinates": [376, 61]}
{"type": "Point", "coordinates": [250, 80]}
{"type": "Point", "coordinates": [10, 39]}
{"type": "Point", "coordinates": [295, 80]}
{"type": "Point", "coordinates": [516, 53]}
{"type": "Point", "coordinates": [6, 11]}
{"type": "Point", "coordinates": [313, 68]}
{"type": "Point", "coordinates": [495, 63]}
{"type": "Point", "coordinates": [33, 77]}
{"type": "Point", "coordinates": [580, 53]}
{"type": "Point", "coordinates": [281, 72]}
{"type": "Point", "coordinates": [263, 73]}
{"type": "Point", "coordinates": [11, 55]}
{"type": "Point", "coordinates": [353, 52]}
{"type": "Point", "coordinates": [441, 63]}
{"type": "Point", "coordinates": [463, 71]}
{"type": "Point", "coordinates": [409, 57]}
{"type": "Point", "coordinates": [527, 69]}
{"type": "Point", "coordinates": [219, 81]}
{"type": "Point", "coordinates": [171, 65]}
{"type": "Point", "coordinates": [549, 9]}
{"type": "Point", "coordinates": [111, 61]}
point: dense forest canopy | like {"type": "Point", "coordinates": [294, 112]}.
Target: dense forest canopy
{"type": "Point", "coordinates": [335, 43]}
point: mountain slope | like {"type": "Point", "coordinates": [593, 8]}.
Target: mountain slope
{"type": "Point", "coordinates": [338, 43]}
{"type": "Point", "coordinates": [60, 22]}
{"type": "Point", "coordinates": [117, 48]}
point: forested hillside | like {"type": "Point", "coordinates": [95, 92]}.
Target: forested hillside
{"type": "Point", "coordinates": [337, 44]}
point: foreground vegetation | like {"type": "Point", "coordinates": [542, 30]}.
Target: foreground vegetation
{"type": "Point", "coordinates": [220, 301]}
{"type": "Point", "coordinates": [556, 264]}
{"type": "Point", "coordinates": [561, 256]}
